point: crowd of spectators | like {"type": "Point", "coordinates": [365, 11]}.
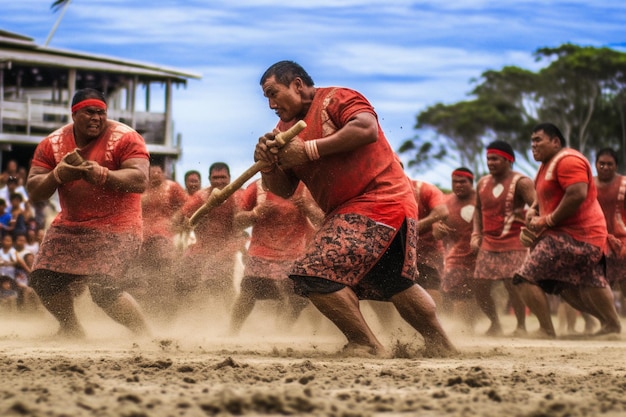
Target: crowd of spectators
{"type": "Point", "coordinates": [22, 226]}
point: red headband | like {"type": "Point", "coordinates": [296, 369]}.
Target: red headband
{"type": "Point", "coordinates": [503, 154]}
{"type": "Point", "coordinates": [89, 102]}
{"type": "Point", "coordinates": [463, 174]}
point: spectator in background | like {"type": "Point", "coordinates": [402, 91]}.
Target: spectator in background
{"type": "Point", "coordinates": [8, 295]}
{"type": "Point", "coordinates": [8, 257]}
{"type": "Point", "coordinates": [28, 301]}
{"type": "Point", "coordinates": [32, 244]}
{"type": "Point", "coordinates": [5, 217]}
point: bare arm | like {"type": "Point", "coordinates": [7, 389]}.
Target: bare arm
{"type": "Point", "coordinates": [361, 130]}
{"type": "Point", "coordinates": [132, 177]}
{"type": "Point", "coordinates": [526, 191]}
{"type": "Point", "coordinates": [438, 213]}
{"type": "Point", "coordinates": [574, 196]}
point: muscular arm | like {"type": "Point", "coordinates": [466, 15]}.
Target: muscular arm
{"type": "Point", "coordinates": [361, 130]}
{"type": "Point", "coordinates": [525, 191]}
{"type": "Point", "coordinates": [438, 213]}
{"type": "Point", "coordinates": [132, 177]}
{"type": "Point", "coordinates": [40, 184]}
{"type": "Point", "coordinates": [574, 196]}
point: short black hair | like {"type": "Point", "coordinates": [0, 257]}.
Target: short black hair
{"type": "Point", "coordinates": [608, 151]}
{"type": "Point", "coordinates": [219, 165]}
{"type": "Point", "coordinates": [551, 130]}
{"type": "Point", "coordinates": [85, 93]}
{"type": "Point", "coordinates": [193, 172]}
{"type": "Point", "coordinates": [287, 71]}
{"type": "Point", "coordinates": [467, 171]}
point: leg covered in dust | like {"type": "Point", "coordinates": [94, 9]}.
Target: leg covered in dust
{"type": "Point", "coordinates": [418, 309]}
{"type": "Point", "coordinates": [342, 308]}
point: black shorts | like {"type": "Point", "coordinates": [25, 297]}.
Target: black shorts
{"type": "Point", "coordinates": [266, 288]}
{"type": "Point", "coordinates": [48, 283]}
{"type": "Point", "coordinates": [429, 277]}
{"type": "Point", "coordinates": [385, 277]}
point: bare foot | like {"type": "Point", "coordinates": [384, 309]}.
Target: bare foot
{"type": "Point", "coordinates": [606, 329]}
{"type": "Point", "coordinates": [72, 333]}
{"type": "Point", "coordinates": [541, 334]}
{"type": "Point", "coordinates": [519, 332]}
{"type": "Point", "coordinates": [494, 330]}
{"type": "Point", "coordinates": [364, 351]}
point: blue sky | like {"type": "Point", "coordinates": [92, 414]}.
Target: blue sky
{"type": "Point", "coordinates": [403, 55]}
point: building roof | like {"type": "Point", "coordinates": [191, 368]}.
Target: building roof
{"type": "Point", "coordinates": [19, 49]}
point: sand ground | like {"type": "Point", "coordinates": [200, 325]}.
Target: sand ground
{"type": "Point", "coordinates": [188, 368]}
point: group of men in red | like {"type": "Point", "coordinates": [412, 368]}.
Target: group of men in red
{"type": "Point", "coordinates": [333, 212]}
{"type": "Point", "coordinates": [561, 234]}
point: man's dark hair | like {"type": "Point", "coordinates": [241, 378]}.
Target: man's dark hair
{"type": "Point", "coordinates": [466, 170]}
{"type": "Point", "coordinates": [219, 165]}
{"type": "Point", "coordinates": [610, 152]}
{"type": "Point", "coordinates": [287, 71]}
{"type": "Point", "coordinates": [502, 146]}
{"type": "Point", "coordinates": [551, 130]}
{"type": "Point", "coordinates": [192, 172]}
{"type": "Point", "coordinates": [85, 93]}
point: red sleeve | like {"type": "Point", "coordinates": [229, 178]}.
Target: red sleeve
{"type": "Point", "coordinates": [248, 197]}
{"type": "Point", "coordinates": [193, 203]}
{"type": "Point", "coordinates": [432, 196]}
{"type": "Point", "coordinates": [132, 147]}
{"type": "Point", "coordinates": [345, 104]}
{"type": "Point", "coordinates": [44, 156]}
{"type": "Point", "coordinates": [572, 170]}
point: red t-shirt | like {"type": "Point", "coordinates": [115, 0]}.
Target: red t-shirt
{"type": "Point", "coordinates": [501, 220]}
{"type": "Point", "coordinates": [368, 180]}
{"type": "Point", "coordinates": [215, 232]}
{"type": "Point", "coordinates": [282, 231]}
{"type": "Point", "coordinates": [159, 206]}
{"type": "Point", "coordinates": [428, 197]}
{"type": "Point", "coordinates": [566, 168]}
{"type": "Point", "coordinates": [457, 242]}
{"type": "Point", "coordinates": [94, 206]}
{"type": "Point", "coordinates": [611, 199]}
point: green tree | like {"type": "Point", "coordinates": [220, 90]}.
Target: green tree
{"type": "Point", "coordinates": [581, 89]}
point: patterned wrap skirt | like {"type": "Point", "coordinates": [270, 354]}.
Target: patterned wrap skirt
{"type": "Point", "coordinates": [615, 269]}
{"type": "Point", "coordinates": [264, 268]}
{"type": "Point", "coordinates": [81, 251]}
{"type": "Point", "coordinates": [498, 265]}
{"type": "Point", "coordinates": [348, 246]}
{"type": "Point", "coordinates": [557, 261]}
{"type": "Point", "coordinates": [457, 282]}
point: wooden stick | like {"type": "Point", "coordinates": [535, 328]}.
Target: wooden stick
{"type": "Point", "coordinates": [218, 196]}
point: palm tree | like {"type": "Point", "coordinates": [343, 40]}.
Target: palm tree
{"type": "Point", "coordinates": [56, 5]}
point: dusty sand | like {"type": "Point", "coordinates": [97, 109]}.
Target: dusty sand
{"type": "Point", "coordinates": [189, 369]}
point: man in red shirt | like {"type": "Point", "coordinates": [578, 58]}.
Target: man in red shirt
{"type": "Point", "coordinates": [611, 191]}
{"type": "Point", "coordinates": [567, 257]}
{"type": "Point", "coordinates": [459, 258]}
{"type": "Point", "coordinates": [281, 229]}
{"type": "Point", "coordinates": [208, 265]}
{"type": "Point", "coordinates": [365, 249]}
{"type": "Point", "coordinates": [153, 271]}
{"type": "Point", "coordinates": [500, 206]}
{"type": "Point", "coordinates": [98, 231]}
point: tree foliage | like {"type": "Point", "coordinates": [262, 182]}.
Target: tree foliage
{"type": "Point", "coordinates": [581, 89]}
